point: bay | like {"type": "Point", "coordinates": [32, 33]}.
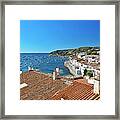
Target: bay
{"type": "Point", "coordinates": [43, 62]}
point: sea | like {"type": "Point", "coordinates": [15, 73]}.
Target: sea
{"type": "Point", "coordinates": [43, 62]}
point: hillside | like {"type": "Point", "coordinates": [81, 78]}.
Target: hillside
{"type": "Point", "coordinates": [71, 52]}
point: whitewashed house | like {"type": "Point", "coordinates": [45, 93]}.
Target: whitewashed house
{"type": "Point", "coordinates": [96, 84]}
{"type": "Point", "coordinates": [81, 54]}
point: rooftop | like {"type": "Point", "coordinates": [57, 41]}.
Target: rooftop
{"type": "Point", "coordinates": [79, 90]}
{"type": "Point", "coordinates": [41, 86]}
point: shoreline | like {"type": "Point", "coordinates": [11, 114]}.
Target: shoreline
{"type": "Point", "coordinates": [46, 64]}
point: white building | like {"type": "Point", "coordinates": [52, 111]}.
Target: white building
{"type": "Point", "coordinates": [74, 67]}
{"type": "Point", "coordinates": [81, 54]}
{"type": "Point", "coordinates": [96, 84]}
{"type": "Point", "coordinates": [77, 68]}
{"type": "Point", "coordinates": [82, 70]}
{"type": "Point", "coordinates": [91, 80]}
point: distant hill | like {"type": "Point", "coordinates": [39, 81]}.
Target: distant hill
{"type": "Point", "coordinates": [71, 52]}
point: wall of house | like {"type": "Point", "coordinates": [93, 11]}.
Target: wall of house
{"type": "Point", "coordinates": [96, 86]}
{"type": "Point", "coordinates": [90, 81]}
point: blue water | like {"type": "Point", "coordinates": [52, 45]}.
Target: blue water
{"type": "Point", "coordinates": [43, 62]}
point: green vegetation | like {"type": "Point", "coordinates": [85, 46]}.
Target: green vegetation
{"type": "Point", "coordinates": [88, 73]}
{"type": "Point", "coordinates": [85, 71]}
{"type": "Point", "coordinates": [72, 52]}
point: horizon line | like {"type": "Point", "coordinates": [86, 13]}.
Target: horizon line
{"type": "Point", "coordinates": [60, 49]}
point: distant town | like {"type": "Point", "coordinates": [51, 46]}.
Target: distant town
{"type": "Point", "coordinates": [82, 84]}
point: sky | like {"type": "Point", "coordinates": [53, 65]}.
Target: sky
{"type": "Point", "coordinates": [44, 36]}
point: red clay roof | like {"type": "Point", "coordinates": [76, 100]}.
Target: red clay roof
{"type": "Point", "coordinates": [77, 91]}
{"type": "Point", "coordinates": [42, 87]}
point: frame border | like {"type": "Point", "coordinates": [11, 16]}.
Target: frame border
{"type": "Point", "coordinates": [2, 60]}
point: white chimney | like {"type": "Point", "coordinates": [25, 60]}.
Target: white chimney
{"type": "Point", "coordinates": [29, 68]}
{"type": "Point", "coordinates": [57, 71]}
{"type": "Point", "coordinates": [53, 75]}
{"type": "Point", "coordinates": [20, 72]}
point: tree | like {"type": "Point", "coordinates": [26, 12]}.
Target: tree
{"type": "Point", "coordinates": [89, 73]}
{"type": "Point", "coordinates": [89, 52]}
{"type": "Point", "coordinates": [85, 71]}
{"type": "Point", "coordinates": [94, 53]}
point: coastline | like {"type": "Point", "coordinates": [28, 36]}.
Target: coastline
{"type": "Point", "coordinates": [43, 63]}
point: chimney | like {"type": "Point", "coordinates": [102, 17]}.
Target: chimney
{"type": "Point", "coordinates": [53, 75]}
{"type": "Point", "coordinates": [57, 71]}
{"type": "Point", "coordinates": [29, 68]}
